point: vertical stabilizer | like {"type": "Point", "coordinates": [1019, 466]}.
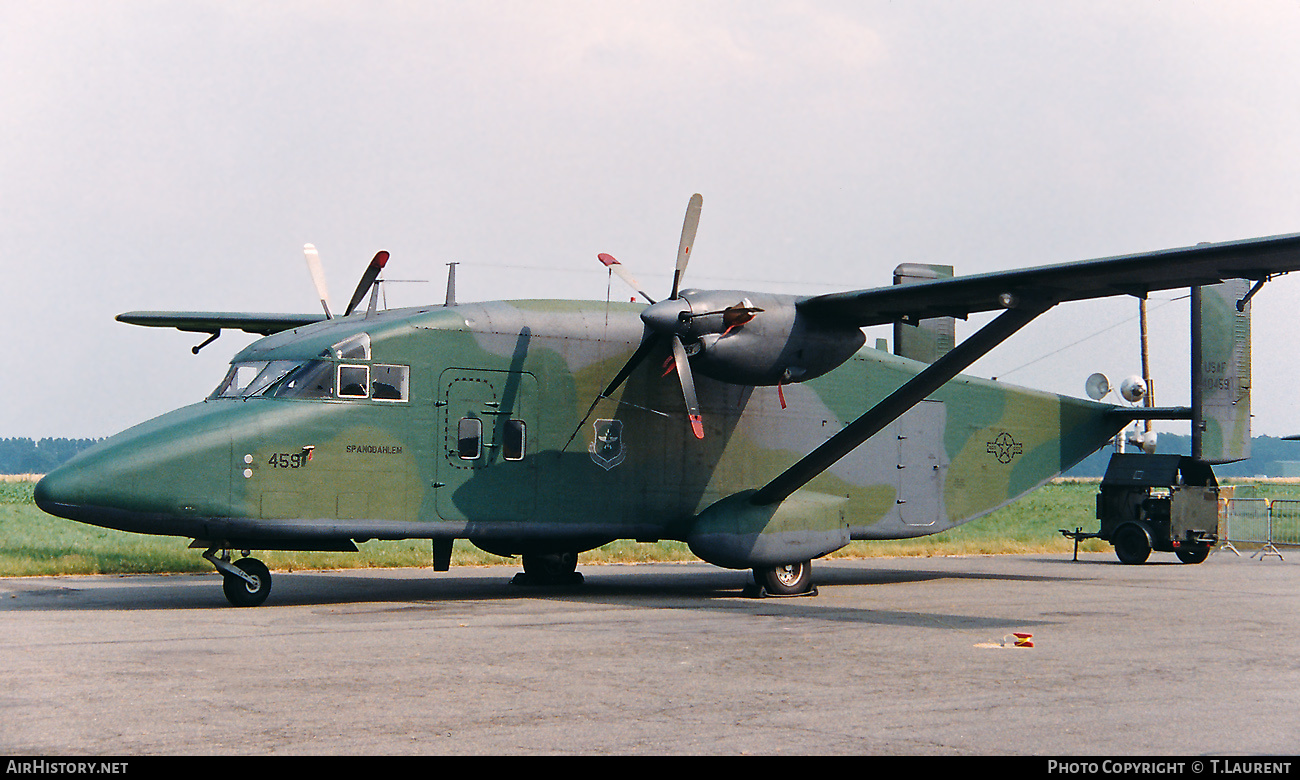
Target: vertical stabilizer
{"type": "Point", "coordinates": [1221, 372]}
{"type": "Point", "coordinates": [927, 340]}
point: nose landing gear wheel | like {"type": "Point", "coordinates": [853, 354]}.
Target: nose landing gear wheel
{"type": "Point", "coordinates": [242, 593]}
{"type": "Point", "coordinates": [792, 579]}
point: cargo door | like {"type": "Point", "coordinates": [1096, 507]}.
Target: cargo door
{"type": "Point", "coordinates": [486, 462]}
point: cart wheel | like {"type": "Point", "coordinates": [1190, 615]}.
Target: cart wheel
{"type": "Point", "coordinates": [1132, 546]}
{"type": "Point", "coordinates": [1192, 554]}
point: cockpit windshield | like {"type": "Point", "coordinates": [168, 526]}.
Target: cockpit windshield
{"type": "Point", "coordinates": [312, 379]}
{"type": "Point", "coordinates": [319, 377]}
{"type": "Point", "coordinates": [245, 380]}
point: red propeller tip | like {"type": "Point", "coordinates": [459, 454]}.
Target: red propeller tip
{"type": "Point", "coordinates": [381, 258]}
{"type": "Point", "coordinates": [607, 259]}
{"type": "Point", "coordinates": [697, 425]}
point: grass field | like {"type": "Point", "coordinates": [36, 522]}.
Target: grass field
{"type": "Point", "coordinates": [32, 542]}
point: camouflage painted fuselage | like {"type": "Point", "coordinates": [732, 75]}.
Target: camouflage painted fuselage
{"type": "Point", "coordinates": [264, 472]}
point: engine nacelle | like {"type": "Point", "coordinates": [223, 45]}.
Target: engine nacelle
{"type": "Point", "coordinates": [776, 345]}
{"type": "Point", "coordinates": [735, 534]}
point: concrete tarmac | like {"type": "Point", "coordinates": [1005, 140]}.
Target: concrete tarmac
{"type": "Point", "coordinates": [894, 656]}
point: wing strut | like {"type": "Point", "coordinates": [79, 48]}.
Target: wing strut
{"type": "Point", "coordinates": [897, 403]}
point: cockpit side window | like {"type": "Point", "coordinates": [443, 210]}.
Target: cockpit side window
{"type": "Point", "coordinates": [354, 381]}
{"type": "Point", "coordinates": [390, 383]}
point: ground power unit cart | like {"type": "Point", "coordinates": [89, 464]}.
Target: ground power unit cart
{"type": "Point", "coordinates": [1168, 503]}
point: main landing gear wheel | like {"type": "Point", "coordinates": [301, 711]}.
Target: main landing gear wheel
{"type": "Point", "coordinates": [792, 579]}
{"type": "Point", "coordinates": [1192, 554]}
{"type": "Point", "coordinates": [549, 569]}
{"type": "Point", "coordinates": [1132, 545]}
{"type": "Point", "coordinates": [241, 592]}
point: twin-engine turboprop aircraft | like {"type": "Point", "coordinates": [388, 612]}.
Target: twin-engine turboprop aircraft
{"type": "Point", "coordinates": [544, 428]}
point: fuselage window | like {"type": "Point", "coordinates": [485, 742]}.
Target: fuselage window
{"type": "Point", "coordinates": [354, 381]}
{"type": "Point", "coordinates": [512, 443]}
{"type": "Point", "coordinates": [469, 438]}
{"type": "Point", "coordinates": [390, 383]}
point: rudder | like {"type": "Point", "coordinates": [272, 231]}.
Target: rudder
{"type": "Point", "coordinates": [1221, 371]}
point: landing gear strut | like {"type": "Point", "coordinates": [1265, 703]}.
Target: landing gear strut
{"type": "Point", "coordinates": [549, 569]}
{"type": "Point", "coordinates": [246, 582]}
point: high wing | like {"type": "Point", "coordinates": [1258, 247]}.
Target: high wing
{"type": "Point", "coordinates": [1137, 274]}
{"type": "Point", "coordinates": [261, 323]}
{"type": "Point", "coordinates": [215, 321]}
{"type": "Point", "coordinates": [1022, 295]}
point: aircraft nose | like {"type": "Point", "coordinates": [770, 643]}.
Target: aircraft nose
{"type": "Point", "coordinates": [58, 492]}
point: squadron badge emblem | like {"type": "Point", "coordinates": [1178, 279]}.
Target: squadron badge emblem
{"type": "Point", "coordinates": [607, 449]}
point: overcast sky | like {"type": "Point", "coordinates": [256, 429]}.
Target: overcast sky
{"type": "Point", "coordinates": [177, 155]}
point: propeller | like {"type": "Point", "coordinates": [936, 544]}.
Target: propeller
{"type": "Point", "coordinates": [367, 280]}
{"type": "Point", "coordinates": [667, 318]}
{"type": "Point", "coordinates": [317, 277]}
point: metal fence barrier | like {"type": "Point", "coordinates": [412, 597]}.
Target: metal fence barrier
{"type": "Point", "coordinates": [1285, 513]}
{"type": "Point", "coordinates": [1262, 522]}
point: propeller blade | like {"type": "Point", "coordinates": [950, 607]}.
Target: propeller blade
{"type": "Point", "coordinates": [367, 279]}
{"type": "Point", "coordinates": [648, 342]}
{"type": "Point", "coordinates": [688, 387]}
{"type": "Point", "coordinates": [618, 268]}
{"type": "Point", "coordinates": [689, 226]}
{"type": "Point", "coordinates": [317, 277]}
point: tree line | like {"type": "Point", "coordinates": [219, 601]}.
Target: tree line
{"type": "Point", "coordinates": [38, 456]}
{"type": "Point", "coordinates": [1266, 456]}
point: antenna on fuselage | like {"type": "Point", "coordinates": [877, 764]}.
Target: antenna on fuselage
{"type": "Point", "coordinates": [451, 284]}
